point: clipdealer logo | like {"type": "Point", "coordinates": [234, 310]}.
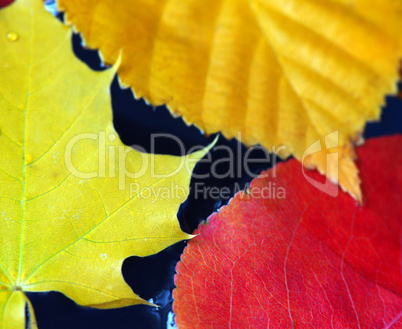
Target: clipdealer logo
{"type": "Point", "coordinates": [332, 164]}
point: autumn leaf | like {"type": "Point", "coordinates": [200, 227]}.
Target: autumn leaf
{"type": "Point", "coordinates": [279, 73]}
{"type": "Point", "coordinates": [4, 3]}
{"type": "Point", "coordinates": [301, 259]}
{"type": "Point", "coordinates": [73, 201]}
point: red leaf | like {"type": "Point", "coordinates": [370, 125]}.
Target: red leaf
{"type": "Point", "coordinates": [306, 261]}
{"type": "Point", "coordinates": [4, 3]}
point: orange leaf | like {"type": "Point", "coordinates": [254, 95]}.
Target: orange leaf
{"type": "Point", "coordinates": [281, 73]}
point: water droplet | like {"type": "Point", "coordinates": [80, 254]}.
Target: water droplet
{"type": "Point", "coordinates": [28, 158]}
{"type": "Point", "coordinates": [12, 36]}
{"type": "Point", "coordinates": [103, 256]}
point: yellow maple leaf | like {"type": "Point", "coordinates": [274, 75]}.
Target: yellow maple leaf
{"type": "Point", "coordinates": [280, 72]}
{"type": "Point", "coordinates": [74, 201]}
